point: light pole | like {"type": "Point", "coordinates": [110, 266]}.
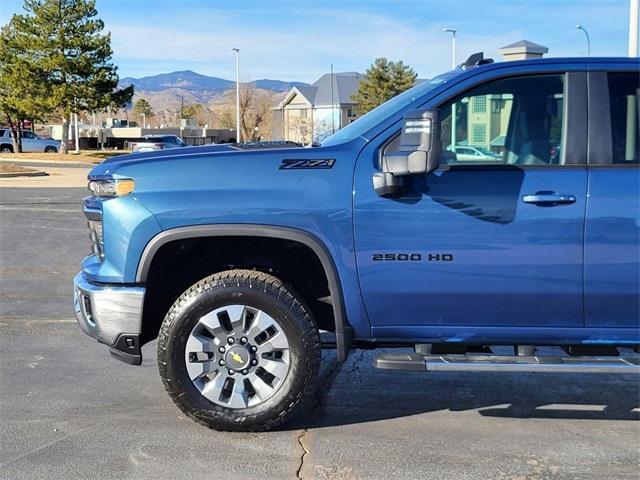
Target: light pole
{"type": "Point", "coordinates": [454, 125]}
{"type": "Point", "coordinates": [633, 27]}
{"type": "Point", "coordinates": [452, 31]}
{"type": "Point", "coordinates": [144, 120]}
{"type": "Point", "coordinates": [77, 132]}
{"type": "Point", "coordinates": [237, 50]}
{"type": "Point", "coordinates": [580, 27]}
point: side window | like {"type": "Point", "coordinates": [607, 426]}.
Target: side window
{"type": "Point", "coordinates": [29, 135]}
{"type": "Point", "coordinates": [515, 121]}
{"type": "Point", "coordinates": [624, 100]}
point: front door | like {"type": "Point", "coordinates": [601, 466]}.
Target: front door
{"type": "Point", "coordinates": [493, 238]}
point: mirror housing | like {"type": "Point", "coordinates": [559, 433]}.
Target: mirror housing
{"type": "Point", "coordinates": [418, 153]}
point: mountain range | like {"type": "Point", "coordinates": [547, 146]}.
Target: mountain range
{"type": "Point", "coordinates": [192, 81]}
{"type": "Point", "coordinates": [168, 90]}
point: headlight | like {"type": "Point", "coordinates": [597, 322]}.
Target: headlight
{"type": "Point", "coordinates": [116, 187]}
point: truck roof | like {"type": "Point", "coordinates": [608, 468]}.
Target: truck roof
{"type": "Point", "coordinates": [631, 61]}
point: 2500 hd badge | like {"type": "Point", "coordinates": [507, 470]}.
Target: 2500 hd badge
{"type": "Point", "coordinates": [412, 257]}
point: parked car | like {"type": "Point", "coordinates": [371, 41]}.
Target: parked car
{"type": "Point", "coordinates": [30, 142]}
{"type": "Point", "coordinates": [150, 143]}
{"type": "Point", "coordinates": [264, 144]}
{"type": "Point", "coordinates": [236, 260]}
{"type": "Point", "coordinates": [474, 154]}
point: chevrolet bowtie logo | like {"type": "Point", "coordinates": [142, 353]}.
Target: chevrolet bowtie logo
{"type": "Point", "coordinates": [236, 357]}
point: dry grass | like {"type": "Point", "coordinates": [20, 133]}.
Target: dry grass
{"type": "Point", "coordinates": [85, 156]}
{"type": "Point", "coordinates": [11, 168]}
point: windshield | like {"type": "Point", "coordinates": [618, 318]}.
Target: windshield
{"type": "Point", "coordinates": [378, 114]}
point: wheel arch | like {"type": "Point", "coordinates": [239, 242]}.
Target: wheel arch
{"type": "Point", "coordinates": [343, 331]}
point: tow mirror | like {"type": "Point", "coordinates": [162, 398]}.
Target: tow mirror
{"type": "Point", "coordinates": [418, 152]}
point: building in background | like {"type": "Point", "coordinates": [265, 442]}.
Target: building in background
{"type": "Point", "coordinates": [522, 50]}
{"type": "Point", "coordinates": [310, 113]}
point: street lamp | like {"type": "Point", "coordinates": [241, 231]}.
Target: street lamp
{"type": "Point", "coordinates": [237, 50]}
{"type": "Point", "coordinates": [454, 126]}
{"type": "Point", "coordinates": [144, 120]}
{"type": "Point", "coordinates": [634, 19]}
{"type": "Point", "coordinates": [580, 27]}
{"type": "Point", "coordinates": [452, 31]}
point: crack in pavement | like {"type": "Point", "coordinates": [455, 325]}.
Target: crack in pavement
{"type": "Point", "coordinates": [305, 452]}
{"type": "Point", "coordinates": [325, 386]}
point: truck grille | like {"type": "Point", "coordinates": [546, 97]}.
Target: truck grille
{"type": "Point", "coordinates": [96, 237]}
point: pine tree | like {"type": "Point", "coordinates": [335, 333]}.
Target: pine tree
{"type": "Point", "coordinates": [62, 47]}
{"type": "Point", "coordinates": [381, 82]}
{"type": "Point", "coordinates": [22, 88]}
{"type": "Point", "coordinates": [143, 107]}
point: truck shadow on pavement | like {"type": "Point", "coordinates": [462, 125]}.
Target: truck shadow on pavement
{"type": "Point", "coordinates": [356, 392]}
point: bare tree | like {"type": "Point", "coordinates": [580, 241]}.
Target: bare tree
{"type": "Point", "coordinates": [255, 112]}
{"type": "Point", "coordinates": [301, 129]}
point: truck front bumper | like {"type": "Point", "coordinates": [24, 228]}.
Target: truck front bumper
{"type": "Point", "coordinates": [112, 315]}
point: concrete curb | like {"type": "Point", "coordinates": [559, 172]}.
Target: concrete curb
{"type": "Point", "coordinates": [38, 173]}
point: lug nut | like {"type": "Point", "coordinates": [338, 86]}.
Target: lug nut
{"type": "Point", "coordinates": [231, 372]}
{"type": "Point", "coordinates": [243, 339]}
{"type": "Point", "coordinates": [245, 371]}
{"type": "Point", "coordinates": [254, 362]}
{"type": "Point", "coordinates": [221, 362]}
{"type": "Point", "coordinates": [221, 349]}
{"type": "Point", "coordinates": [231, 340]}
{"type": "Point", "coordinates": [254, 349]}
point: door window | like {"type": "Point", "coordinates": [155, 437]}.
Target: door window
{"type": "Point", "coordinates": [624, 101]}
{"type": "Point", "coordinates": [514, 121]}
{"type": "Point", "coordinates": [29, 135]}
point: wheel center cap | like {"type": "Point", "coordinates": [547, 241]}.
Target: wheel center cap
{"type": "Point", "coordinates": [237, 357]}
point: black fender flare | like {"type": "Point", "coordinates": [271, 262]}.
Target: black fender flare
{"type": "Point", "coordinates": [343, 331]}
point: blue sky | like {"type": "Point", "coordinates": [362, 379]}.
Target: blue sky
{"type": "Point", "coordinates": [298, 40]}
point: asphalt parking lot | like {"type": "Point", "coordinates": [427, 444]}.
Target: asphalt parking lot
{"type": "Point", "coordinates": [69, 411]}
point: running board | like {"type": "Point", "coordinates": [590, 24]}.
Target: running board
{"type": "Point", "coordinates": [506, 363]}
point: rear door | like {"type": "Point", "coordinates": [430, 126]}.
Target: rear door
{"type": "Point", "coordinates": [612, 228]}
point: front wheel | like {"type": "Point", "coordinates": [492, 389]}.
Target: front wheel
{"type": "Point", "coordinates": [239, 350]}
{"type": "Point", "coordinates": [50, 150]}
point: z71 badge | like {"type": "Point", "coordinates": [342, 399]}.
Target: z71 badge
{"type": "Point", "coordinates": [291, 164]}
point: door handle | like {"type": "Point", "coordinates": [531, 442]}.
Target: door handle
{"type": "Point", "coordinates": [548, 199]}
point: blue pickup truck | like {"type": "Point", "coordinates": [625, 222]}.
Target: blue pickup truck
{"type": "Point", "coordinates": [245, 263]}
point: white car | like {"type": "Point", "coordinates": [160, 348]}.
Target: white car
{"type": "Point", "coordinates": [150, 143]}
{"type": "Point", "coordinates": [470, 154]}
{"type": "Point", "coordinates": [30, 142]}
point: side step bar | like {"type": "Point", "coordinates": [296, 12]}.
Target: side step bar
{"type": "Point", "coordinates": [506, 363]}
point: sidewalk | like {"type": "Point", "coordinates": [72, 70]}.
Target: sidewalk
{"type": "Point", "coordinates": [65, 177]}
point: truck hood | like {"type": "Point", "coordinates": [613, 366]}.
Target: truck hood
{"type": "Point", "coordinates": [111, 164]}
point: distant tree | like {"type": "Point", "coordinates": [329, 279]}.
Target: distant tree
{"type": "Point", "coordinates": [63, 49]}
{"type": "Point", "coordinates": [22, 90]}
{"type": "Point", "coordinates": [302, 130]}
{"type": "Point", "coordinates": [227, 119]}
{"type": "Point", "coordinates": [194, 111]}
{"type": "Point", "coordinates": [255, 113]}
{"type": "Point", "coordinates": [142, 107]}
{"type": "Point", "coordinates": [382, 81]}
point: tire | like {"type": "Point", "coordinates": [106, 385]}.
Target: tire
{"type": "Point", "coordinates": [50, 150]}
{"type": "Point", "coordinates": [203, 311]}
{"type": "Point", "coordinates": [6, 149]}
